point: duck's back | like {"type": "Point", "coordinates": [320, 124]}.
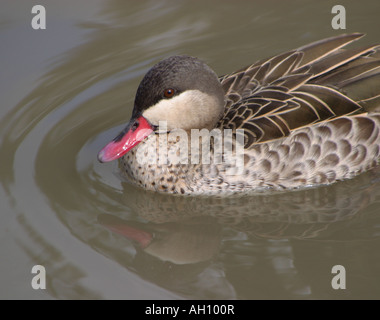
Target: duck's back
{"type": "Point", "coordinates": [315, 83]}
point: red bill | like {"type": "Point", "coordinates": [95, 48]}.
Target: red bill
{"type": "Point", "coordinates": [135, 132]}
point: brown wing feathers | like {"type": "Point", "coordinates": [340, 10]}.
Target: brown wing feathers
{"type": "Point", "coordinates": [298, 88]}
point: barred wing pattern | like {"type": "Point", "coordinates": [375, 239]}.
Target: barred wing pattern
{"type": "Point", "coordinates": [273, 97]}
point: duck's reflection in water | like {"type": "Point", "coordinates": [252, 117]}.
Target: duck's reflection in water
{"type": "Point", "coordinates": [186, 242]}
{"type": "Point", "coordinates": [262, 246]}
{"type": "Point", "coordinates": [173, 254]}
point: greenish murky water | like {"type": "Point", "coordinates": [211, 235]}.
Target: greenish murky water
{"type": "Point", "coordinates": [67, 90]}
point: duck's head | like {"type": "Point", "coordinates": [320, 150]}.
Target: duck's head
{"type": "Point", "coordinates": [181, 90]}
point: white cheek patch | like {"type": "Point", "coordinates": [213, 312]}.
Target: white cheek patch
{"type": "Point", "coordinates": [191, 109]}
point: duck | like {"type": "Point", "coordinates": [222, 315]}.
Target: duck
{"type": "Point", "coordinates": [303, 118]}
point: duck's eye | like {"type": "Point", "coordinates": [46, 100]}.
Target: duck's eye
{"type": "Point", "coordinates": [168, 93]}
